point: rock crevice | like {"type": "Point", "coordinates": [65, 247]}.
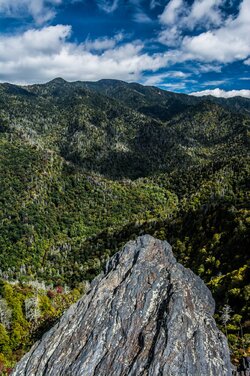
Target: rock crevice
{"type": "Point", "coordinates": [144, 315]}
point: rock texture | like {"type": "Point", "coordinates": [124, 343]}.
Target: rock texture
{"type": "Point", "coordinates": [145, 315]}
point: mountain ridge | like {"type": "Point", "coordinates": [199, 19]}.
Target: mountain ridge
{"type": "Point", "coordinates": [82, 173]}
{"type": "Point", "coordinates": [105, 86]}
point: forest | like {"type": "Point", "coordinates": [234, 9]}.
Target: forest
{"type": "Point", "coordinates": [85, 167]}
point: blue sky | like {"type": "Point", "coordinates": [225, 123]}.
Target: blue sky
{"type": "Point", "coordinates": [200, 46]}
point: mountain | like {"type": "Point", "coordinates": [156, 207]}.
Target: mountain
{"type": "Point", "coordinates": [158, 103]}
{"type": "Point", "coordinates": [145, 315]}
{"type": "Point", "coordinates": [148, 100]}
{"type": "Point", "coordinates": [114, 137]}
{"type": "Point", "coordinates": [85, 167]}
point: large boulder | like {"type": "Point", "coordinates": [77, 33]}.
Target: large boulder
{"type": "Point", "coordinates": [145, 315]}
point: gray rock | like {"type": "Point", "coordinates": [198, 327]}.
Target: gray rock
{"type": "Point", "coordinates": [145, 315]}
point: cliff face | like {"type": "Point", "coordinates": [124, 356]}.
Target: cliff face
{"type": "Point", "coordinates": [145, 315]}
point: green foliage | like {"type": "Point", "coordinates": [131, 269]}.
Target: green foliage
{"type": "Point", "coordinates": [23, 328]}
{"type": "Point", "coordinates": [4, 341]}
{"type": "Point", "coordinates": [87, 166]}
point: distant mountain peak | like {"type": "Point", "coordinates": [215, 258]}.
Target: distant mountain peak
{"type": "Point", "coordinates": [57, 80]}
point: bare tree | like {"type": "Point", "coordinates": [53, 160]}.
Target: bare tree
{"type": "Point", "coordinates": [32, 311]}
{"type": "Point", "coordinates": [226, 315]}
{"type": "Point", "coordinates": [5, 313]}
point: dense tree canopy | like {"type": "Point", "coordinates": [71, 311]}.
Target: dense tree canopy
{"type": "Point", "coordinates": [87, 166]}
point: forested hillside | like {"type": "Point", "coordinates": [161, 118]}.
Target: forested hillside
{"type": "Point", "coordinates": [87, 166]}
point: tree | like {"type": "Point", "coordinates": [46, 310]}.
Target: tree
{"type": "Point", "coordinates": [226, 315]}
{"type": "Point", "coordinates": [32, 311]}
{"type": "Point", "coordinates": [4, 340]}
{"type": "Point", "coordinates": [5, 313]}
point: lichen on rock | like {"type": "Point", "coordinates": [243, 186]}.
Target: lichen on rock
{"type": "Point", "coordinates": [144, 315]}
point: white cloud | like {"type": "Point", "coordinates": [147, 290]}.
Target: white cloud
{"type": "Point", "coordinates": [204, 68]}
{"type": "Point", "coordinates": [174, 86]}
{"type": "Point", "coordinates": [154, 80]}
{"type": "Point", "coordinates": [172, 12]}
{"type": "Point", "coordinates": [104, 43]}
{"type": "Point", "coordinates": [33, 43]}
{"type": "Point", "coordinates": [157, 79]}
{"type": "Point", "coordinates": [213, 83]}
{"type": "Point", "coordinates": [108, 6]}
{"type": "Point", "coordinates": [184, 16]}
{"type": "Point", "coordinates": [41, 55]}
{"type": "Point", "coordinates": [178, 74]}
{"type": "Point", "coordinates": [141, 17]}
{"type": "Point", "coordinates": [225, 44]}
{"type": "Point", "coordinates": [178, 17]}
{"type": "Point", "coordinates": [171, 36]}
{"type": "Point", "coordinates": [204, 11]}
{"type": "Point", "coordinates": [139, 13]}
{"type": "Point", "coordinates": [222, 93]}
{"type": "Point", "coordinates": [40, 10]}
{"type": "Point", "coordinates": [154, 4]}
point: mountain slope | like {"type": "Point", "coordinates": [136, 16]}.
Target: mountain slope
{"type": "Point", "coordinates": [158, 103]}
{"type": "Point", "coordinates": [87, 166]}
{"type": "Point", "coordinates": [102, 135]}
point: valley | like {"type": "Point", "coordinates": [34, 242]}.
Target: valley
{"type": "Point", "coordinates": [87, 166]}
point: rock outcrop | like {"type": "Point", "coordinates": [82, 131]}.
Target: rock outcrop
{"type": "Point", "coordinates": [145, 315]}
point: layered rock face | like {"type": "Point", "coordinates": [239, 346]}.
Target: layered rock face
{"type": "Point", "coordinates": [145, 315]}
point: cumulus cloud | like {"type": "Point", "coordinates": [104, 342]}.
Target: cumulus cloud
{"type": "Point", "coordinates": [181, 14]}
{"type": "Point", "coordinates": [172, 12]}
{"type": "Point", "coordinates": [40, 10]}
{"type": "Point", "coordinates": [172, 36]}
{"type": "Point", "coordinates": [225, 42]}
{"type": "Point", "coordinates": [41, 55]}
{"type": "Point", "coordinates": [222, 93]}
{"type": "Point", "coordinates": [204, 11]}
{"type": "Point", "coordinates": [178, 16]}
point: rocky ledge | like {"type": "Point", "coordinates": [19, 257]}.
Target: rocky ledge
{"type": "Point", "coordinates": [145, 315]}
